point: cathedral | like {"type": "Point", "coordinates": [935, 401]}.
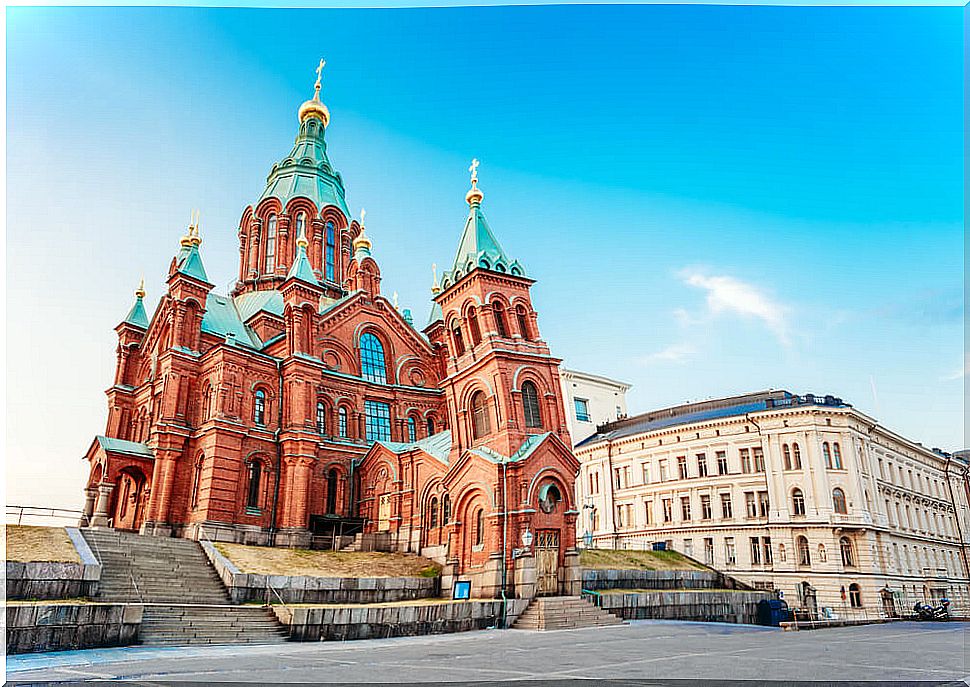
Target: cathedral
{"type": "Point", "coordinates": [305, 409]}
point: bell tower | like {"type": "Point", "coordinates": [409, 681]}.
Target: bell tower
{"type": "Point", "coordinates": [501, 379]}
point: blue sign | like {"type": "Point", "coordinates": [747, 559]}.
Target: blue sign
{"type": "Point", "coordinates": [462, 590]}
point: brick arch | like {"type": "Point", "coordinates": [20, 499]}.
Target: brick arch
{"type": "Point", "coordinates": [568, 497]}
{"type": "Point", "coordinates": [473, 385]}
{"type": "Point", "coordinates": [532, 374]}
{"type": "Point", "coordinates": [386, 343]}
{"type": "Point", "coordinates": [266, 207]}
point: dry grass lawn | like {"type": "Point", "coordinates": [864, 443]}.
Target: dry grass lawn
{"type": "Point", "coordinates": [29, 544]}
{"type": "Point", "coordinates": [612, 559]}
{"type": "Point", "coordinates": [264, 560]}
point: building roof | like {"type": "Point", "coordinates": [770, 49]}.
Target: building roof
{"type": "Point", "coordinates": [701, 411]}
{"type": "Point", "coordinates": [222, 318]}
{"type": "Point", "coordinates": [524, 451]}
{"type": "Point", "coordinates": [598, 379]}
{"type": "Point", "coordinates": [252, 302]}
{"type": "Point", "coordinates": [437, 446]}
{"type": "Point", "coordinates": [137, 315]}
{"type": "Point", "coordinates": [478, 247]}
{"type": "Point", "coordinates": [189, 262]}
{"type": "Point", "coordinates": [133, 448]}
{"type": "Point", "coordinates": [301, 268]}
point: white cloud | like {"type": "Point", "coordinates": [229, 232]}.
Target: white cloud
{"type": "Point", "coordinates": [729, 295]}
{"type": "Point", "coordinates": [675, 353]}
{"type": "Point", "coordinates": [960, 374]}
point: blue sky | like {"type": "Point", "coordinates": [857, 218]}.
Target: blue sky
{"type": "Point", "coordinates": [713, 199]}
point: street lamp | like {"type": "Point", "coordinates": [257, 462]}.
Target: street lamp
{"type": "Point", "coordinates": [527, 538]}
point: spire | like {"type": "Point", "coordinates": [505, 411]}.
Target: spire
{"type": "Point", "coordinates": [313, 107]}
{"type": "Point", "coordinates": [137, 316]}
{"type": "Point", "coordinates": [189, 260]}
{"type": "Point", "coordinates": [435, 284]}
{"type": "Point", "coordinates": [301, 269]}
{"type": "Point", "coordinates": [362, 244]}
{"type": "Point", "coordinates": [436, 314]}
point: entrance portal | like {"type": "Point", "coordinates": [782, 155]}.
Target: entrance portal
{"type": "Point", "coordinates": [547, 562]}
{"type": "Point", "coordinates": [384, 513]}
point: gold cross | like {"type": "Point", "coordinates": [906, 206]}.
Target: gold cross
{"type": "Point", "coordinates": [320, 67]}
{"type": "Point", "coordinates": [474, 169]}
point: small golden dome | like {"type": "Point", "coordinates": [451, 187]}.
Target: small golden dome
{"type": "Point", "coordinates": [474, 195]}
{"type": "Point", "coordinates": [313, 107]}
{"type": "Point", "coordinates": [140, 291]}
{"type": "Point", "coordinates": [362, 241]}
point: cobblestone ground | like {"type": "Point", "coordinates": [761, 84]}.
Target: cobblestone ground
{"type": "Point", "coordinates": [657, 650]}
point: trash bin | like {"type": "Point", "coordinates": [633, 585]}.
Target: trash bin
{"type": "Point", "coordinates": [772, 612]}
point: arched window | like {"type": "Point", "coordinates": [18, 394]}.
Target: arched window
{"type": "Point", "coordinates": [445, 509]}
{"type": "Point", "coordinates": [827, 454]}
{"type": "Point", "coordinates": [804, 555]}
{"type": "Point", "coordinates": [270, 244]}
{"type": "Point", "coordinates": [786, 452]}
{"type": "Point", "coordinates": [797, 502]}
{"type": "Point", "coordinates": [412, 429]}
{"type": "Point", "coordinates": [255, 475]}
{"type": "Point", "coordinates": [479, 527]}
{"type": "Point", "coordinates": [473, 327]}
{"type": "Point", "coordinates": [523, 322]}
{"type": "Point", "coordinates": [782, 553]}
{"type": "Point", "coordinates": [838, 501]}
{"type": "Point", "coordinates": [433, 515]}
{"type": "Point", "coordinates": [430, 426]}
{"type": "Point", "coordinates": [822, 557]}
{"type": "Point", "coordinates": [207, 402]}
{"type": "Point", "coordinates": [329, 253]}
{"type": "Point", "coordinates": [372, 365]}
{"type": "Point", "coordinates": [332, 491]}
{"type": "Point", "coordinates": [321, 417]}
{"type": "Point", "coordinates": [530, 405]}
{"type": "Point", "coordinates": [459, 341]}
{"type": "Point", "coordinates": [259, 407]}
{"type": "Point", "coordinates": [480, 420]}
{"type": "Point", "coordinates": [197, 480]}
{"type": "Point", "coordinates": [845, 546]}
{"type": "Point", "coordinates": [498, 313]}
{"type": "Point", "coordinates": [342, 422]}
{"type": "Point", "coordinates": [301, 224]}
{"type": "Point", "coordinates": [855, 596]}
{"type": "Point", "coordinates": [836, 456]}
{"type": "Point", "coordinates": [798, 456]}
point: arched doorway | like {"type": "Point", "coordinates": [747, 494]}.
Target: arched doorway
{"type": "Point", "coordinates": [547, 542]}
{"type": "Point", "coordinates": [128, 505]}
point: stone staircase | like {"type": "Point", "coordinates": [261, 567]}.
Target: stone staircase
{"type": "Point", "coordinates": [185, 600]}
{"type": "Point", "coordinates": [563, 613]}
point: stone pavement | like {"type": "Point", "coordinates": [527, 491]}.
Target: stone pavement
{"type": "Point", "coordinates": [651, 649]}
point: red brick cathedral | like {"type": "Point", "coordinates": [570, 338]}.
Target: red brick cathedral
{"type": "Point", "coordinates": [304, 407]}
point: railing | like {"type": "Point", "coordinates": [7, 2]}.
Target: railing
{"type": "Point", "coordinates": [40, 515]}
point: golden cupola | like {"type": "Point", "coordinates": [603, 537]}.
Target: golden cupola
{"type": "Point", "coordinates": [314, 107]}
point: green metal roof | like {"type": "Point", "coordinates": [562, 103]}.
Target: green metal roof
{"type": "Point", "coordinates": [189, 262]}
{"type": "Point", "coordinates": [137, 315]}
{"type": "Point", "coordinates": [133, 448]}
{"type": "Point", "coordinates": [252, 302]}
{"type": "Point", "coordinates": [524, 451]}
{"type": "Point", "coordinates": [301, 269]}
{"type": "Point", "coordinates": [478, 247]}
{"type": "Point", "coordinates": [306, 172]}
{"type": "Point", "coordinates": [437, 446]}
{"type": "Point", "coordinates": [222, 318]}
{"type": "Point", "coordinates": [435, 315]}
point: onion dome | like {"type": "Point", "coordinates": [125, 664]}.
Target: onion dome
{"type": "Point", "coordinates": [362, 244]}
{"type": "Point", "coordinates": [313, 107]}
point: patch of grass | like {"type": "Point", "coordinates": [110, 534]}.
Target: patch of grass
{"type": "Point", "coordinates": [264, 560]}
{"type": "Point", "coordinates": [616, 559]}
{"type": "Point", "coordinates": [29, 544]}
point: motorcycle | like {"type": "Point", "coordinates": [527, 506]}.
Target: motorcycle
{"type": "Point", "coordinates": [926, 612]}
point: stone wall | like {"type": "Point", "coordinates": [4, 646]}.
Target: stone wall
{"type": "Point", "coordinates": [45, 581]}
{"type": "Point", "coordinates": [701, 605]}
{"type": "Point", "coordinates": [245, 587]}
{"type": "Point", "coordinates": [659, 579]}
{"type": "Point", "coordinates": [372, 622]}
{"type": "Point", "coordinates": [58, 627]}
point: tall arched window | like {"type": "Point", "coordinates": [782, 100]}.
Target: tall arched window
{"type": "Point", "coordinates": [530, 405]}
{"type": "Point", "coordinates": [786, 452]}
{"type": "Point", "coordinates": [480, 420]}
{"type": "Point", "coordinates": [270, 244]}
{"type": "Point", "coordinates": [321, 417]}
{"type": "Point", "coordinates": [523, 322]}
{"type": "Point", "coordinates": [456, 336]}
{"type": "Point", "coordinates": [479, 527]}
{"type": "Point", "coordinates": [433, 514]}
{"type": "Point", "coordinates": [430, 426]}
{"type": "Point", "coordinates": [836, 456]}
{"type": "Point", "coordinates": [301, 224]}
{"type": "Point", "coordinates": [342, 422]}
{"type": "Point", "coordinates": [798, 456]}
{"type": "Point", "coordinates": [827, 454]}
{"type": "Point", "coordinates": [255, 475]}
{"type": "Point", "coordinates": [445, 509]}
{"type": "Point", "coordinates": [845, 546]}
{"type": "Point", "coordinates": [412, 429]}
{"type": "Point", "coordinates": [804, 554]}
{"type": "Point", "coordinates": [797, 502]}
{"type": "Point", "coordinates": [838, 501]}
{"type": "Point", "coordinates": [259, 407]}
{"type": "Point", "coordinates": [498, 313]}
{"type": "Point", "coordinates": [329, 253]}
{"type": "Point", "coordinates": [372, 365]}
{"type": "Point", "coordinates": [473, 327]}
{"type": "Point", "coordinates": [332, 491]}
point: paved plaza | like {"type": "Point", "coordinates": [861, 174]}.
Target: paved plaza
{"type": "Point", "coordinates": [903, 651]}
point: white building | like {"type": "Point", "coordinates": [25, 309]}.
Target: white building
{"type": "Point", "coordinates": [591, 400]}
{"type": "Point", "coordinates": [799, 493]}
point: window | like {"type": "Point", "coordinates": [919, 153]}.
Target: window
{"type": "Point", "coordinates": [685, 508]}
{"type": "Point", "coordinates": [709, 551]}
{"type": "Point", "coordinates": [763, 504]}
{"type": "Point", "coordinates": [259, 407]}
{"type": "Point", "coordinates": [755, 551]}
{"type": "Point", "coordinates": [682, 466]}
{"type": "Point", "coordinates": [797, 502]}
{"type": "Point", "coordinates": [722, 464]}
{"type": "Point", "coordinates": [786, 454]}
{"type": "Point", "coordinates": [759, 459]}
{"type": "Point", "coordinates": [668, 510]}
{"type": "Point", "coordinates": [648, 512]}
{"type": "Point", "coordinates": [377, 421]}
{"type": "Point", "coordinates": [750, 504]}
{"type": "Point", "coordinates": [618, 478]}
{"type": "Point", "coordinates": [252, 493]}
{"type": "Point", "coordinates": [479, 527]}
{"type": "Point", "coordinates": [804, 555]}
{"type": "Point", "coordinates": [430, 426]}
{"type": "Point", "coordinates": [480, 420]}
{"type": "Point", "coordinates": [321, 418]}
{"type": "Point", "coordinates": [582, 409]}
{"type": "Point", "coordinates": [836, 456]}
{"type": "Point", "coordinates": [331, 491]}
{"type": "Point", "coordinates": [827, 455]}
{"type": "Point", "coordinates": [498, 314]}
{"type": "Point", "coordinates": [845, 546]}
{"type": "Point", "coordinates": [701, 465]}
{"type": "Point", "coordinates": [456, 336]}
{"type": "Point", "coordinates": [207, 402]}
{"type": "Point", "coordinates": [523, 322]}
{"type": "Point", "coordinates": [766, 550]}
{"type": "Point", "coordinates": [270, 244]}
{"type": "Point", "coordinates": [301, 224]}
{"type": "Point", "coordinates": [822, 556]}
{"type": "Point", "coordinates": [689, 548]}
{"type": "Point", "coordinates": [727, 511]}
{"type": "Point", "coordinates": [730, 555]}
{"type": "Point", "coordinates": [797, 453]}
{"type": "Point", "coordinates": [782, 553]}
{"type": "Point", "coordinates": [838, 501]}
{"type": "Point", "coordinates": [530, 405]}
{"type": "Point", "coordinates": [645, 473]}
{"type": "Point", "coordinates": [619, 517]}
{"type": "Point", "coordinates": [445, 509]}
{"type": "Point", "coordinates": [663, 471]}
{"type": "Point", "coordinates": [433, 513]}
{"type": "Point", "coordinates": [412, 430]}
{"type": "Point", "coordinates": [706, 506]}
{"type": "Point", "coordinates": [342, 422]}
{"type": "Point", "coordinates": [329, 253]}
{"type": "Point", "coordinates": [473, 327]}
{"type": "Point", "coordinates": [855, 596]}
{"type": "Point", "coordinates": [372, 365]}
{"type": "Point", "coordinates": [745, 460]}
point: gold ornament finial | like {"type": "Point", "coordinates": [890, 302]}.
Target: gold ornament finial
{"type": "Point", "coordinates": [313, 107]}
{"type": "Point", "coordinates": [363, 240]}
{"type": "Point", "coordinates": [301, 241]}
{"type": "Point", "coordinates": [140, 291]}
{"type": "Point", "coordinates": [395, 301]}
{"type": "Point", "coordinates": [474, 195]}
{"type": "Point", "coordinates": [435, 286]}
{"type": "Point", "coordinates": [194, 236]}
{"type": "Point", "coordinates": [323, 63]}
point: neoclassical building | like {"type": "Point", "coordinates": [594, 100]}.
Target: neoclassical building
{"type": "Point", "coordinates": [304, 405]}
{"type": "Point", "coordinates": [804, 494]}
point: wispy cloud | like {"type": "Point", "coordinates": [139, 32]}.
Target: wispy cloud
{"type": "Point", "coordinates": [675, 353]}
{"type": "Point", "coordinates": [730, 295]}
{"type": "Point", "coordinates": [960, 374]}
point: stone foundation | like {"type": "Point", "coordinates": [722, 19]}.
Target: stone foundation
{"type": "Point", "coordinates": [46, 581]}
{"type": "Point", "coordinates": [658, 579]}
{"type": "Point", "coordinates": [702, 605]}
{"type": "Point", "coordinates": [60, 627]}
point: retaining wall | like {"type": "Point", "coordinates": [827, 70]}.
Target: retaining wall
{"type": "Point", "coordinates": [702, 605]}
{"type": "Point", "coordinates": [659, 579]}
{"type": "Point", "coordinates": [45, 581]}
{"type": "Point", "coordinates": [370, 622]}
{"type": "Point", "coordinates": [245, 587]}
{"type": "Point", "coordinates": [58, 627]}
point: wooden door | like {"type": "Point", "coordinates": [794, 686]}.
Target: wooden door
{"type": "Point", "coordinates": [384, 513]}
{"type": "Point", "coordinates": [547, 562]}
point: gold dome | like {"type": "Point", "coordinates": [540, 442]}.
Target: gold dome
{"type": "Point", "coordinates": [313, 107]}
{"type": "Point", "coordinates": [474, 195]}
{"type": "Point", "coordinates": [362, 241]}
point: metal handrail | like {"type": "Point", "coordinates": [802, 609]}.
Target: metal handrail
{"type": "Point", "coordinates": [41, 512]}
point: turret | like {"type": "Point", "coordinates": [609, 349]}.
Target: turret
{"type": "Point", "coordinates": [131, 331]}
{"type": "Point", "coordinates": [301, 300]}
{"type": "Point", "coordinates": [364, 274]}
{"type": "Point", "coordinates": [188, 287]}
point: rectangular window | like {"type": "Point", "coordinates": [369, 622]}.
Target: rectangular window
{"type": "Point", "coordinates": [685, 508]}
{"type": "Point", "coordinates": [701, 465]}
{"type": "Point", "coordinates": [763, 504]}
{"type": "Point", "coordinates": [328, 257]}
{"type": "Point", "coordinates": [766, 550]}
{"type": "Point", "coordinates": [745, 460]}
{"type": "Point", "coordinates": [663, 471]}
{"type": "Point", "coordinates": [726, 509]}
{"type": "Point", "coordinates": [730, 556]}
{"type": "Point", "coordinates": [619, 517]}
{"type": "Point", "coordinates": [648, 512]}
{"type": "Point", "coordinates": [709, 551]}
{"type": "Point", "coordinates": [377, 422]}
{"type": "Point", "coordinates": [750, 504]}
{"type": "Point", "coordinates": [689, 547]}
{"type": "Point", "coordinates": [582, 409]}
{"type": "Point", "coordinates": [682, 467]}
{"type": "Point", "coordinates": [706, 506]}
{"type": "Point", "coordinates": [755, 551]}
{"type": "Point", "coordinates": [617, 475]}
{"type": "Point", "coordinates": [668, 510]}
{"type": "Point", "coordinates": [645, 469]}
{"type": "Point", "coordinates": [722, 464]}
{"type": "Point", "coordinates": [759, 459]}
